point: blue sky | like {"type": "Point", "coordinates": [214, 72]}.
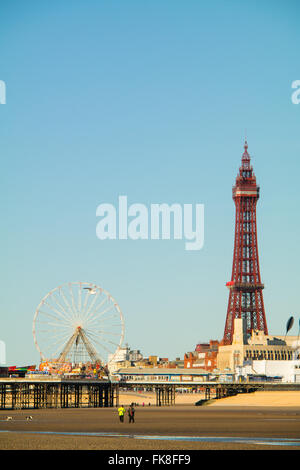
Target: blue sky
{"type": "Point", "coordinates": [149, 100]}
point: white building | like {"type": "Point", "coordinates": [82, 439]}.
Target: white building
{"type": "Point", "coordinates": [122, 355]}
{"type": "Point", "coordinates": [289, 371]}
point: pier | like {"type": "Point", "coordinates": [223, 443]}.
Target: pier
{"type": "Point", "coordinates": [16, 393]}
{"type": "Point", "coordinates": [57, 393]}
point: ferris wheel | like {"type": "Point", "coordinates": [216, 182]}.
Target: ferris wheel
{"type": "Point", "coordinates": [78, 322]}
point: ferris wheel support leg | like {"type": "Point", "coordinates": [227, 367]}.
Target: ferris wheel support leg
{"type": "Point", "coordinates": [68, 346]}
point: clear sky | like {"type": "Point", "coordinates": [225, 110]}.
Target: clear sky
{"type": "Point", "coordinates": [149, 100]}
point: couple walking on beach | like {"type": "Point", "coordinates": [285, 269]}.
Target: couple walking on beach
{"type": "Point", "coordinates": [122, 411]}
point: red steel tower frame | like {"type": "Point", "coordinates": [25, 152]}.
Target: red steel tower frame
{"type": "Point", "coordinates": [245, 288]}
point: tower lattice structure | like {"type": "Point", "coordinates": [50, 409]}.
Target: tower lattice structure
{"type": "Point", "coordinates": [245, 288]}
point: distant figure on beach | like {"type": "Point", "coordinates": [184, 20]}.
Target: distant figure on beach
{"type": "Point", "coordinates": [131, 412]}
{"type": "Point", "coordinates": [121, 413]}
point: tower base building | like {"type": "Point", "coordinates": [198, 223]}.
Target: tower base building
{"type": "Point", "coordinates": [259, 347]}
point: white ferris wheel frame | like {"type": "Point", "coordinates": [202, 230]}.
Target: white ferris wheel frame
{"type": "Point", "coordinates": [92, 287]}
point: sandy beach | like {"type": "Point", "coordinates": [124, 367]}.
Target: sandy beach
{"type": "Point", "coordinates": [259, 398]}
{"type": "Point", "coordinates": [260, 420]}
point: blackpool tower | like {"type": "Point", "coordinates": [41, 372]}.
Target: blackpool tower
{"type": "Point", "coordinates": [245, 288]}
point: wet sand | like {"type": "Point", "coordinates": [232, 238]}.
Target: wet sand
{"type": "Point", "coordinates": [222, 421]}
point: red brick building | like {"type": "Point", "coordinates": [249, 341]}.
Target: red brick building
{"type": "Point", "coordinates": [204, 356]}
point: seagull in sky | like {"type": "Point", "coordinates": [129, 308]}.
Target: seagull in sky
{"type": "Point", "coordinates": [91, 289]}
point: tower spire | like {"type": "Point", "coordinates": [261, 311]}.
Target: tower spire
{"type": "Point", "coordinates": [246, 156]}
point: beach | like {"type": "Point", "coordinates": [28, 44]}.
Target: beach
{"type": "Point", "coordinates": [260, 420]}
{"type": "Point", "coordinates": [258, 398]}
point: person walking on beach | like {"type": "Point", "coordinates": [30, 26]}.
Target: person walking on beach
{"type": "Point", "coordinates": [131, 412]}
{"type": "Point", "coordinates": [121, 413]}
